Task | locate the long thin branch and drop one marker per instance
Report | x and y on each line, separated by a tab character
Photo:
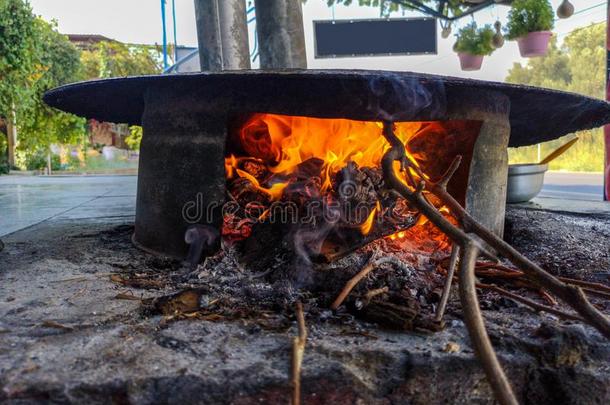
440	311
571	295
298	349
476	328
533	304
470	249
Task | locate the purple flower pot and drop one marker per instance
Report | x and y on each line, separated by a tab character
534	44
470	62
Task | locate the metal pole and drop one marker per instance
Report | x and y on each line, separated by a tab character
607	127
222	34
164	35
175	35
279	24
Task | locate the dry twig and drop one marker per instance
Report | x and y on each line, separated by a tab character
440	311
368	267
298	349
526	301
476	328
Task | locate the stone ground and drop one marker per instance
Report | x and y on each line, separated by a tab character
67	337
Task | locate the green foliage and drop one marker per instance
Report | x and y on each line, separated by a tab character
578	66
34	58
38	161
475	41
58	63
17	52
3	158
552	71
114	59
135	137
527	16
454	7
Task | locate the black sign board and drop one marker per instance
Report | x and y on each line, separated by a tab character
382	37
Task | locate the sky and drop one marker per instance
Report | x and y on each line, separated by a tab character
139	21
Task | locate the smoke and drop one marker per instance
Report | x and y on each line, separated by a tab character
202	239
399	97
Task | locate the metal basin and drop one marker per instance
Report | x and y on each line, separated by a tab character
524	181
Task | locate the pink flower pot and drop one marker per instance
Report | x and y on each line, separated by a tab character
470	62
534	44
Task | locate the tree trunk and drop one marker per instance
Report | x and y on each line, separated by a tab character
222	34
279	24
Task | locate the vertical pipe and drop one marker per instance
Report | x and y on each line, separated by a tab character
279	24
222	34
607	127
175	35
164	35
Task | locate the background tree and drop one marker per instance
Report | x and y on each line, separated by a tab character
115	59
17	58
57	63
577	66
453	7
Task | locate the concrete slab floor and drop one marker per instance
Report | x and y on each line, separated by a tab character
66	337
29	200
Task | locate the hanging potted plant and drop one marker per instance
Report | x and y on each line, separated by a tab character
530	23
473	44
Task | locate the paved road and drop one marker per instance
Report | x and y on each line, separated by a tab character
29	200
573	186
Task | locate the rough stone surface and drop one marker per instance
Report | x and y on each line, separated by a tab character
65	338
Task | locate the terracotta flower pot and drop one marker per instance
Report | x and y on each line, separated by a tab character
470	62
534	44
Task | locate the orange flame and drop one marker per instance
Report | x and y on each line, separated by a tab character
280	144
366	227
275	191
283	142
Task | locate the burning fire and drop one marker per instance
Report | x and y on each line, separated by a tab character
293	158
284	142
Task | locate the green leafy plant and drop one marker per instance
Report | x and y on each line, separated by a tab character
38	161
527	16
474	40
449	7
135	137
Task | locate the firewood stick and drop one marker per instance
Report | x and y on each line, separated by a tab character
547	297
526	301
298	349
590	285
440	311
476	328
572	295
368	267
373	293
471	246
